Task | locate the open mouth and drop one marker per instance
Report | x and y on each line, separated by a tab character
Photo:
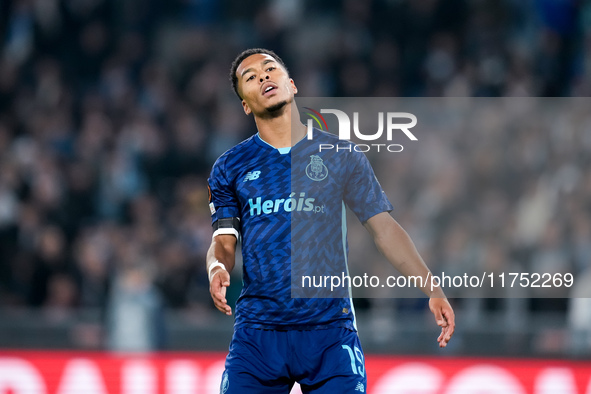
268	89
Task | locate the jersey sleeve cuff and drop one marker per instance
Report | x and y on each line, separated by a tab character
375	210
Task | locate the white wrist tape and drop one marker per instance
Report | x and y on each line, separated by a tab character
212	266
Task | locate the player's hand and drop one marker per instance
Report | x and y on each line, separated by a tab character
445	318
220	280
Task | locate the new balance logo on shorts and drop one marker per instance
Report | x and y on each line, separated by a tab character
251	176
360	387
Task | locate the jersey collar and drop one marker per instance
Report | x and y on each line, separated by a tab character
282	151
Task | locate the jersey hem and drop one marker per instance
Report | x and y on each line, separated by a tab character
297	327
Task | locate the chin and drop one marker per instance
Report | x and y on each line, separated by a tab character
276	107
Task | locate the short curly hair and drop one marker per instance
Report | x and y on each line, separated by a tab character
244	55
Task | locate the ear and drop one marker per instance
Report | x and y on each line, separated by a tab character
246	108
295	89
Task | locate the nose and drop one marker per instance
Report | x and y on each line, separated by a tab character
266	77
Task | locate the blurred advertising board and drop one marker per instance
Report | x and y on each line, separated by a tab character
41	372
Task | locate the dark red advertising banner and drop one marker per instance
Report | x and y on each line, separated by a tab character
23	372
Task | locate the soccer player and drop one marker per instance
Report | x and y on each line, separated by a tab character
285	200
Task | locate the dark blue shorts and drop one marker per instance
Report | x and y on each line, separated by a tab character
321	361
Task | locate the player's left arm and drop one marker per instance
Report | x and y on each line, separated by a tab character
397	246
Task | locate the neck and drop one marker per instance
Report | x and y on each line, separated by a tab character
284	129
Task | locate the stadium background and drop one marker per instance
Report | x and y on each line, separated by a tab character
112	112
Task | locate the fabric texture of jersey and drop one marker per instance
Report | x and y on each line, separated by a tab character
270	362
291	211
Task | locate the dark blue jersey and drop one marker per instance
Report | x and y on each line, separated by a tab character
291	206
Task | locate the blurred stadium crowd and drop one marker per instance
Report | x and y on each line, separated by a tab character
113	111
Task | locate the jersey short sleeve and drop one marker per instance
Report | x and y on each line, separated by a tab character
363	193
223	202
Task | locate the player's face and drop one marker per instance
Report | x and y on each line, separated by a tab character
264	85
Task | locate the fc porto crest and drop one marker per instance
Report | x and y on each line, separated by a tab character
316	170
225	383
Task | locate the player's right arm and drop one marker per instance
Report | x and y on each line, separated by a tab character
220	262
225	218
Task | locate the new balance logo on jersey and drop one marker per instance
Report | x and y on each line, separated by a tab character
251	176
360	387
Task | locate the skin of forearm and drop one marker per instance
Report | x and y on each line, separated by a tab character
222	249
398	248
